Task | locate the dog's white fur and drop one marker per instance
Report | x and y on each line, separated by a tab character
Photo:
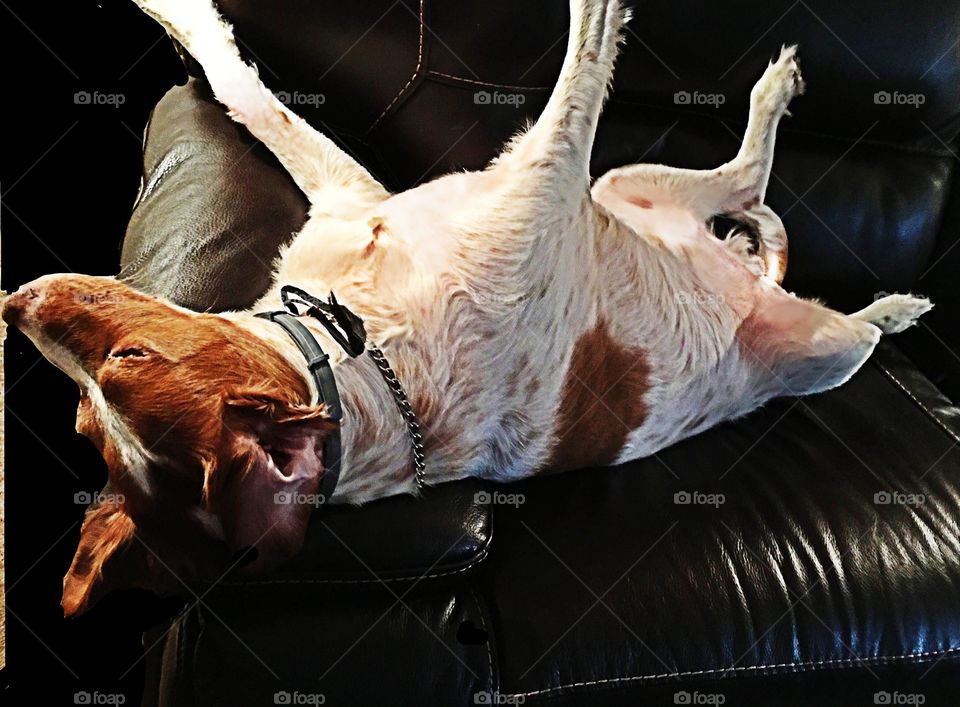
478	276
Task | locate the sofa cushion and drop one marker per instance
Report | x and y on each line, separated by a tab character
814	534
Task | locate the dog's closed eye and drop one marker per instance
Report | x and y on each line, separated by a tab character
128	352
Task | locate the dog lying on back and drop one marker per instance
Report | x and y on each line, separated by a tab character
537	324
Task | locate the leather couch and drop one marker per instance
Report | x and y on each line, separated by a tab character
808	554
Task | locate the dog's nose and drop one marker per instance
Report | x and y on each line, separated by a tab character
17	307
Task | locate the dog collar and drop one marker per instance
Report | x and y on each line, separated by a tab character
318	362
347	329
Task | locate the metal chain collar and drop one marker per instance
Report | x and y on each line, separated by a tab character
403	404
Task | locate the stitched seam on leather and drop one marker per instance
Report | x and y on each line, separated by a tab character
416	72
879	660
477	82
483	623
481	556
936	420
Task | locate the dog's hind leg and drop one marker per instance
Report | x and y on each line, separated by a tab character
557	147
797	347
333	181
735	189
542	198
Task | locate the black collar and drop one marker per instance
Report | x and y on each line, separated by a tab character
347	329
319	364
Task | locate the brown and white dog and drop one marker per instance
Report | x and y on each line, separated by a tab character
537	323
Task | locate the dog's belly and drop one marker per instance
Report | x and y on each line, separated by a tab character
419	221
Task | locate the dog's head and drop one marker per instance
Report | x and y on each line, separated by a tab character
207	432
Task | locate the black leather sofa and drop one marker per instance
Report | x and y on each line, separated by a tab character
808	554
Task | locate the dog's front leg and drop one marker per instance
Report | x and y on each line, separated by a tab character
333	181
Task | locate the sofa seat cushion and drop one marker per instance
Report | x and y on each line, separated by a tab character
814	534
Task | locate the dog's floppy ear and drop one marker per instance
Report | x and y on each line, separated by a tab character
108	558
265	480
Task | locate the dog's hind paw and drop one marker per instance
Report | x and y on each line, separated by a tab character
894	313
780	83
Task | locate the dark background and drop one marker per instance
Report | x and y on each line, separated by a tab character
69	176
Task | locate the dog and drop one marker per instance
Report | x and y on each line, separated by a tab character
537	322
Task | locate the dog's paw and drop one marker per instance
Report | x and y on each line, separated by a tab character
894	313
780	82
786	70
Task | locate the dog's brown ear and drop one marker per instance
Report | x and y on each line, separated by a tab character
107	555
265	481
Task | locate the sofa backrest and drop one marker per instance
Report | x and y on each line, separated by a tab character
863	169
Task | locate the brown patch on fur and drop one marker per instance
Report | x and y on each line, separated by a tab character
601	403
641	202
377	227
284	117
